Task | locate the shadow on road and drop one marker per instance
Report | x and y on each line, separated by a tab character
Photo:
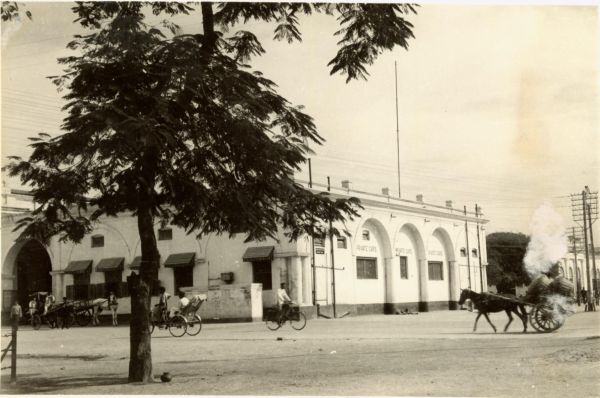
33	383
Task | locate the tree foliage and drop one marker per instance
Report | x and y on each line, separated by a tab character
505	253
10	11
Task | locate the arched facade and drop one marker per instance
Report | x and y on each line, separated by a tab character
398	255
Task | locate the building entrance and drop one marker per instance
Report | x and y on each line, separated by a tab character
33	268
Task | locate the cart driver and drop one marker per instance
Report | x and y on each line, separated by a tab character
283	301
161	307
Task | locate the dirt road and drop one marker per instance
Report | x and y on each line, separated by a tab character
430	354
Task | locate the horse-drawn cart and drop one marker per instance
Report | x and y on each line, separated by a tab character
549	300
83	310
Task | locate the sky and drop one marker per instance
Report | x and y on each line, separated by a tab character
497	104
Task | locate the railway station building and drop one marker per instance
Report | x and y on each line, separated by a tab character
400	254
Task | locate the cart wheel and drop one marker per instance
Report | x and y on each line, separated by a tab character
36	321
177	326
546	319
83	318
194	326
300	323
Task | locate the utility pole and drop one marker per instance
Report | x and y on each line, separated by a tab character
585	212
577	287
468	251
587	260
332	268
397	129
477	208
594	285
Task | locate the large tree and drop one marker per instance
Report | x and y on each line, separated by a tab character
179	129
505	253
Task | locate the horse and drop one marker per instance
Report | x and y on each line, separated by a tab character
486	303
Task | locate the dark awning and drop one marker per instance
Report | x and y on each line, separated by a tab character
180	260
135	264
110	264
262	253
78	267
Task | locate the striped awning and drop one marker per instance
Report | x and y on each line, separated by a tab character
180	260
78	267
110	264
259	253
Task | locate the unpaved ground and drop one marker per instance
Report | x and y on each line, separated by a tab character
430	354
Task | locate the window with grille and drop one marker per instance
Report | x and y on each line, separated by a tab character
183	277
81	286
436	270
463	252
112	282
261	273
403	267
98	241
341	242
474	252
165	234
366	268
366	235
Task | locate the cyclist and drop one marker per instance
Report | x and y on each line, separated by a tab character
283	301
160	309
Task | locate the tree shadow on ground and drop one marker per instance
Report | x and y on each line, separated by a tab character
33	383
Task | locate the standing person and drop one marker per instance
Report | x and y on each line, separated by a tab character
113	304
49	302
16	313
584	296
32	306
283	301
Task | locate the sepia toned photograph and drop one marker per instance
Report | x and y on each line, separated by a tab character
300	199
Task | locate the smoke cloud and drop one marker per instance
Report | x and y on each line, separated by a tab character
548	242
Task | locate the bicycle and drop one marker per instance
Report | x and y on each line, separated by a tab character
177	324
296	318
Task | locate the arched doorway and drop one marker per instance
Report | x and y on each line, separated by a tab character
32	268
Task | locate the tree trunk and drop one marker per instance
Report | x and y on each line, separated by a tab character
140	286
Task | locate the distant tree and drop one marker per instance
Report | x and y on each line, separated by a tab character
505	253
177	128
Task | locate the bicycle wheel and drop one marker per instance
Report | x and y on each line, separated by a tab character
194	326
177	326
300	323
36	321
83	318
273	325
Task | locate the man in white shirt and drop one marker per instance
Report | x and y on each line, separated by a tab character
183	301
283	301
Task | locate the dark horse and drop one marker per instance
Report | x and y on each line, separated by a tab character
486	303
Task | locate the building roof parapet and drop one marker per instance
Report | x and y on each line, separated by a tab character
397	203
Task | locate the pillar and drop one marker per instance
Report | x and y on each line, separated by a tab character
453	284
306	281
423	284
392	275
58	286
295	278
